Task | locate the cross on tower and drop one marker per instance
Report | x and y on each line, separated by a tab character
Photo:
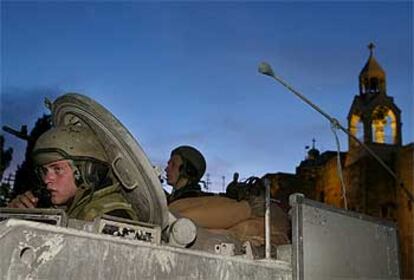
371	48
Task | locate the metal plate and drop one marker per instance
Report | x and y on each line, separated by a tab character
129	162
128	229
331	243
48	216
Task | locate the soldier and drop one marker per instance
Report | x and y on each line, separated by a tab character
185	168
220	218
73	166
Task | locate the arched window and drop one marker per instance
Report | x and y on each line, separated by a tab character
374	85
384	126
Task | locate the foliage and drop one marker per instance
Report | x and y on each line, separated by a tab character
5	194
25	177
5	157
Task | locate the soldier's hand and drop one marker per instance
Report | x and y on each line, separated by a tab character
25	200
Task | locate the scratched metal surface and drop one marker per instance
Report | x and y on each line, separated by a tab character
31	250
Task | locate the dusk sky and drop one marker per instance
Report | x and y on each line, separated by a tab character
186	72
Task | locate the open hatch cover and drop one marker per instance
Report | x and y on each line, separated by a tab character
129	162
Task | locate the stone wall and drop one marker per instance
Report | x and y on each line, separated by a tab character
405	212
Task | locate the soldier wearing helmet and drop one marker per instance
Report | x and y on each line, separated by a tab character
185	168
73	166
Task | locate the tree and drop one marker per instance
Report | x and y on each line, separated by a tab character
25	177
5	159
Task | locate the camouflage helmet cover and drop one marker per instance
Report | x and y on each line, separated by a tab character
192	156
67	142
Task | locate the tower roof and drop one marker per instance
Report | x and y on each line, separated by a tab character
372	76
372	68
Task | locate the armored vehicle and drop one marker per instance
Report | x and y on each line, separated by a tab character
326	243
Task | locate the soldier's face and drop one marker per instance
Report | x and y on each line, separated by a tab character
173	170
59	180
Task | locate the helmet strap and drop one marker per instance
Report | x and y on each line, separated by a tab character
181	178
76	174
187	171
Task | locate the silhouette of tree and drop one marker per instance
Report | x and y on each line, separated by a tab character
5	159
5	156
25	178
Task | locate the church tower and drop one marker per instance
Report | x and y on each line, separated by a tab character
373	117
376	121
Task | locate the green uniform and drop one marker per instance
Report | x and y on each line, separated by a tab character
190	190
108	200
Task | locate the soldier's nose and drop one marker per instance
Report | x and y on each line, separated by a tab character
48	177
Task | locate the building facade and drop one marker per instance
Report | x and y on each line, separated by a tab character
375	120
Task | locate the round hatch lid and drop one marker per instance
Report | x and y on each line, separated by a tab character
131	166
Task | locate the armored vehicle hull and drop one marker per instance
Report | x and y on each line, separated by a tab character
327	243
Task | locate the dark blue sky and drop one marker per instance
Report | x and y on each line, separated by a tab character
186	72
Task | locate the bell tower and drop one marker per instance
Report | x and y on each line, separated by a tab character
376	121
373	117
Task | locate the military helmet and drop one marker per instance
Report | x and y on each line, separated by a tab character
194	164
67	142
